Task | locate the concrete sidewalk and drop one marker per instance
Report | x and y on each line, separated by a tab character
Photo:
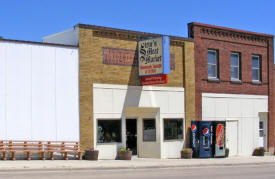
134	163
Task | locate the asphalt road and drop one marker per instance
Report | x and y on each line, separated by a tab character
264	171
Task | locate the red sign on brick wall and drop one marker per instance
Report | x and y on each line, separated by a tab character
154	80
124	57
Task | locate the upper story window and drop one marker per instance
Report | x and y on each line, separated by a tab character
256	68
212	63
235	67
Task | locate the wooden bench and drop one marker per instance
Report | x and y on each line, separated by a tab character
64	147
42	147
27	147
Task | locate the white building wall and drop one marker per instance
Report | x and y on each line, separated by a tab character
38	92
110	102
244	109
68	37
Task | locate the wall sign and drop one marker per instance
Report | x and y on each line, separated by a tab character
154	80
125	57
154	56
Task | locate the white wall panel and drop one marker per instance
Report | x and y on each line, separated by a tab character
221	108
176	102
234	107
67	94
43	93
241	108
247	110
18	91
110	101
118	104
2	91
147	99
38	95
103	101
162	102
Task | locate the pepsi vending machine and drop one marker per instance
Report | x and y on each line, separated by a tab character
219	138
195	138
205	137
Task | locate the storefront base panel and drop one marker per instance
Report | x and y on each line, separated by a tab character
242	114
145	105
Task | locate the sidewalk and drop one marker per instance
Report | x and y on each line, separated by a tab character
133	164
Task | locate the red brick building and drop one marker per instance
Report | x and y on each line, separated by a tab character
234	82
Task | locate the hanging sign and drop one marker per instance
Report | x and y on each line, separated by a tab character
154	56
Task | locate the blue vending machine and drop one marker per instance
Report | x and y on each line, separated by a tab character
194	139
205	137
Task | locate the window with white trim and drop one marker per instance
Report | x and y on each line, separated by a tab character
256	68
108	130
212	63
235	66
173	129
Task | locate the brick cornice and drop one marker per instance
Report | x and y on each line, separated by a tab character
233	35
99	31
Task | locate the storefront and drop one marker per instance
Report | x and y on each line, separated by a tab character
235	83
115	110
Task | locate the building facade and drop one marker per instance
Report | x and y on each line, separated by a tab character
83	84
115	110
234	83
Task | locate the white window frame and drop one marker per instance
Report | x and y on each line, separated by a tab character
109	119
235	79
216	65
183	129
259	69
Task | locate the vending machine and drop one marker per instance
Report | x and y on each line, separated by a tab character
205	139
218	147
194	139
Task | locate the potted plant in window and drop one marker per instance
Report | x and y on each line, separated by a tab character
186	153
259	151
91	154
124	154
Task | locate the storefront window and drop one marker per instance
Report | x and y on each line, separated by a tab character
108	131
173	129
149	130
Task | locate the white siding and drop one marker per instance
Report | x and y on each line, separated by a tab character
38	92
110	101
241	108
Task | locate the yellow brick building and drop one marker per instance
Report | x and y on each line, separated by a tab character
115	110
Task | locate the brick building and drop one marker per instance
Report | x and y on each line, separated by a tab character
234	82
115	111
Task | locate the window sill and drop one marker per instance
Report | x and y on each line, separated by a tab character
109	143
174	140
256	82
235	81
214	80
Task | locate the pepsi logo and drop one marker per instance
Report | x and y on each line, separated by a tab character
206	131
193	128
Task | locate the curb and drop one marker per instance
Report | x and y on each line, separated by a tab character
100	168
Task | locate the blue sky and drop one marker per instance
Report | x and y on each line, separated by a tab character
33	19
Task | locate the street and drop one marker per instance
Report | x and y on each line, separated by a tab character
264	171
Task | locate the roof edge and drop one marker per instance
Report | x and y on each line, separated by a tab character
38	43
230	29
131	31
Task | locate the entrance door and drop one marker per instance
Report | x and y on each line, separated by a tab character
262	134
131	133
232	137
